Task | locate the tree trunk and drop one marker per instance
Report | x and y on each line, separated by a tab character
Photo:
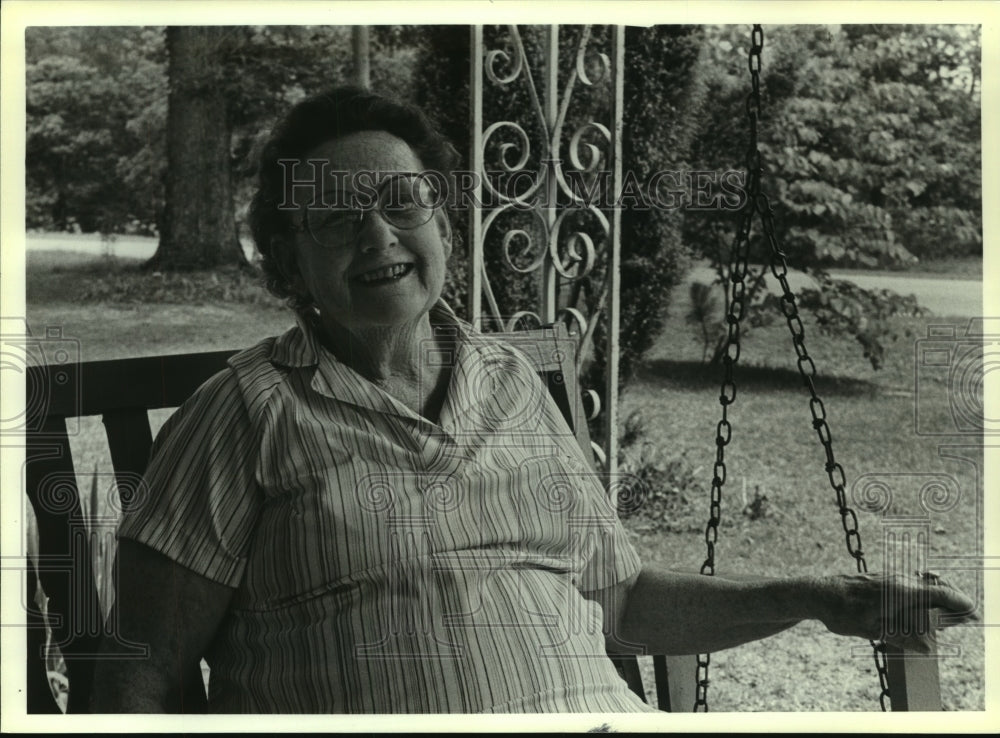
199	229
362	56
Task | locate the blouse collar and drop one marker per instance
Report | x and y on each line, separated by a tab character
300	347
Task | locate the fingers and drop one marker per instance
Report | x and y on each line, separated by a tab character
929	576
912	612
957	606
942	595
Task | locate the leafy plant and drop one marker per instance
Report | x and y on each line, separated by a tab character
661	489
759	507
840	306
93	139
870	140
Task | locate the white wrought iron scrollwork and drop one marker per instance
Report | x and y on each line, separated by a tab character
522	320
548	177
492	57
593	152
581	263
522	145
572	315
505	147
514	237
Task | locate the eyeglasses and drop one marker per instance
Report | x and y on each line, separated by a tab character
405	201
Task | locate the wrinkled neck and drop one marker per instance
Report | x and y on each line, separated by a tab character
382	353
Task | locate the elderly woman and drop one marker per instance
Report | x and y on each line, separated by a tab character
339	522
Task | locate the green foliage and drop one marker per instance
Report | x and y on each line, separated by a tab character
870	140
97	106
96	98
656	489
870	136
665	96
759	507
840	306
441	88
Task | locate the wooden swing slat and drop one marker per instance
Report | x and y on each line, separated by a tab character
675	682
63	560
914	681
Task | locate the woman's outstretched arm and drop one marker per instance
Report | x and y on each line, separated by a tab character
665	612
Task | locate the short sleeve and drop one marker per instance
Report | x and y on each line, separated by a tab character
613	559
201	502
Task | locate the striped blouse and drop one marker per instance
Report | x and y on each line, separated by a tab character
382	562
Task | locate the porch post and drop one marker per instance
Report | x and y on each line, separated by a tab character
475	265
614	252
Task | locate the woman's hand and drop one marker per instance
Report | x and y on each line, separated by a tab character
904	611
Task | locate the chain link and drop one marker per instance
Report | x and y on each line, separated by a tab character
736	307
758	203
807	370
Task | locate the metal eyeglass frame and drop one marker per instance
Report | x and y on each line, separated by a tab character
356	217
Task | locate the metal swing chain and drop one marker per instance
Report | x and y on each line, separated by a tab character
758	202
807	369
739	256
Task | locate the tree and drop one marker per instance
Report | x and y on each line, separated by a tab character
664	96
362	56
199	228
97	111
96	100
870	143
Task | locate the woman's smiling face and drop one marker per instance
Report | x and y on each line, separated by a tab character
387	276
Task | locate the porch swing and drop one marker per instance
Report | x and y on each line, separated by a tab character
906	683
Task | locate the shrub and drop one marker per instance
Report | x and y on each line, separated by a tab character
656	489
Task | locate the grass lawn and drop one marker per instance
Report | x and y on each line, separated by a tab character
774	453
952	268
